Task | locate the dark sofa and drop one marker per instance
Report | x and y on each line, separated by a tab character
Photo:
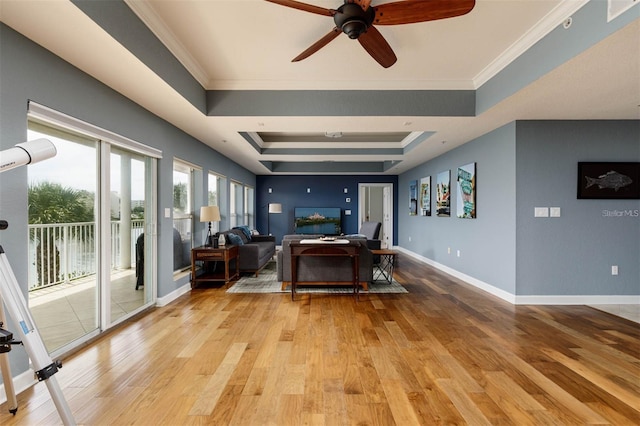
324	270
254	253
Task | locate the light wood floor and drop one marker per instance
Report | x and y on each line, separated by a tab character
445	353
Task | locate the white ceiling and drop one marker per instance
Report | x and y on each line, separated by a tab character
248	44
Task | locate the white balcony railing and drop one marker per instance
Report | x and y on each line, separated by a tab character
59	253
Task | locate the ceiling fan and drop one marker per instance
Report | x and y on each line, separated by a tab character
356	19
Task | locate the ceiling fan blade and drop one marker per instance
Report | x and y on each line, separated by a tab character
304	6
409	12
335	32
375	44
364	4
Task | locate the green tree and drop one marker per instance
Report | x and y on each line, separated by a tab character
180	197
137	213
52	203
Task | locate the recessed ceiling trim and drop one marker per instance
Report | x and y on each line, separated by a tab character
416	139
333	151
327	167
341	103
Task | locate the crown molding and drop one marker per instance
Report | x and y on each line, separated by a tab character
156	25
547	24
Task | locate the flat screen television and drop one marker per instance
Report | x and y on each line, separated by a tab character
318	220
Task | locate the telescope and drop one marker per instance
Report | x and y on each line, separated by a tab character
26	153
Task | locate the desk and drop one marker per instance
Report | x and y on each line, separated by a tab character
227	254
325	249
384	268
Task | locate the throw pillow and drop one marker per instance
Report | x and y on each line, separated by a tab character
355	236
234	239
245	230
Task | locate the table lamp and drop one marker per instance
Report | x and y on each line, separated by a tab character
209	214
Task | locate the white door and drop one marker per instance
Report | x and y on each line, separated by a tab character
376	204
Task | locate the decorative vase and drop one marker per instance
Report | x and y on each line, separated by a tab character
221	240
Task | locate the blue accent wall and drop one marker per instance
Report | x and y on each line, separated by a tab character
326	191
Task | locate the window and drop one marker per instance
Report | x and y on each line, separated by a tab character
236	207
215	185
250	208
183	207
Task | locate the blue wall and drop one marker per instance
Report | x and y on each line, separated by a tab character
523	165
29	72
573	254
487	243
326	191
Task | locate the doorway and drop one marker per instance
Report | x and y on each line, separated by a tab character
376	205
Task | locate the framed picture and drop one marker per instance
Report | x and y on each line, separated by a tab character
466	193
443	191
425	196
413	198
612	181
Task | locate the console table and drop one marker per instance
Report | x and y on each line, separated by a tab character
338	248
228	255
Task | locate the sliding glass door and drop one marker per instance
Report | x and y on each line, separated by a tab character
63	239
129	200
91	235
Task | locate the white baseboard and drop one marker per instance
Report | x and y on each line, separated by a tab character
165	300
529	299
504	295
21	383
578	300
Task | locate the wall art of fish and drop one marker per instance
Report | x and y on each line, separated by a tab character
609	180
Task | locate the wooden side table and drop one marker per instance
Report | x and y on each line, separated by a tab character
384	268
226	254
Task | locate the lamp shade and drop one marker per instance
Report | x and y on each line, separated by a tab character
275	208
209	214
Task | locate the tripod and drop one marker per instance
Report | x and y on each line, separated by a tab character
44	367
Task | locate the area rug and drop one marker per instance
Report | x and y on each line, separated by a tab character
266	282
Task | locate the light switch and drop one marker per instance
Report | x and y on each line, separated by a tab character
347	212
541	212
554	211
167	212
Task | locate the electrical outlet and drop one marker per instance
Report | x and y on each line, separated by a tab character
614	269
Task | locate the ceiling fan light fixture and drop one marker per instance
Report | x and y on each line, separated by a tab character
352	20
354	28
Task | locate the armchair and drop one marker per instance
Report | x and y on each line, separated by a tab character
371	230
